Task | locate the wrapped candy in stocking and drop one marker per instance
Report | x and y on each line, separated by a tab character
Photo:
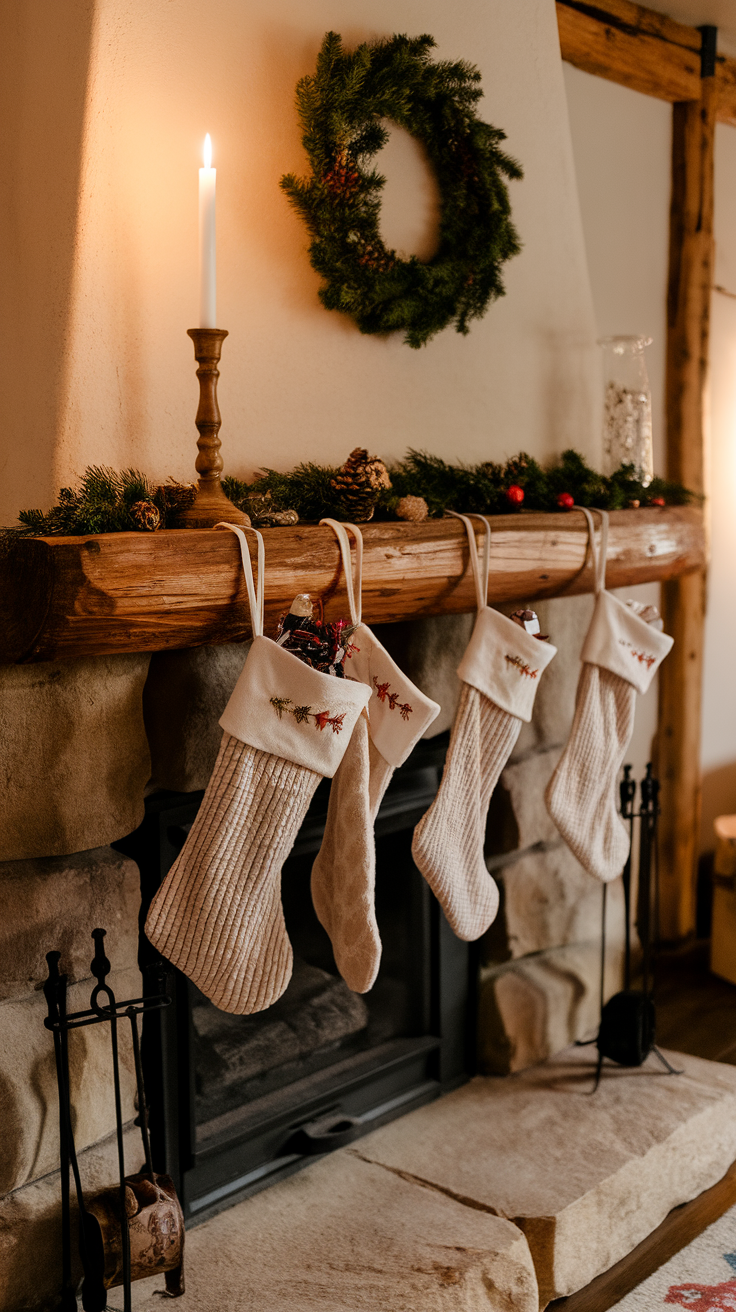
500	672
621	654
218	916
343	875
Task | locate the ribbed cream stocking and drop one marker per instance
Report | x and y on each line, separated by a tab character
581	795
344	873
218	917
448	841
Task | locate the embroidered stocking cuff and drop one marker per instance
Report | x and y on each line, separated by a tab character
282	706
398	713
619	641
505	663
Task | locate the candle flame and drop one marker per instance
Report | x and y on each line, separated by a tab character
207	152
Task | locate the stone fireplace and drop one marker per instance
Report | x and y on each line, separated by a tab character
92	747
239	1102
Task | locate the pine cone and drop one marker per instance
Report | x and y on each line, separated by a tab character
145	516
358	484
173	499
343	178
413	509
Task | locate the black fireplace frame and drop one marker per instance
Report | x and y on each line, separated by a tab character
354	1096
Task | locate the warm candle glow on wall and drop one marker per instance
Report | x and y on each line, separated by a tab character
207	253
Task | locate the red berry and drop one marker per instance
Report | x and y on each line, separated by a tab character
515	494
657	501
565	501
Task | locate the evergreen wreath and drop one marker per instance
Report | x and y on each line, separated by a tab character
342	109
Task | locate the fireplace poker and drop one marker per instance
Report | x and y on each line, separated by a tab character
627	794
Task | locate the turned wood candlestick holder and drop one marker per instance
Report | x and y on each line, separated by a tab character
210	504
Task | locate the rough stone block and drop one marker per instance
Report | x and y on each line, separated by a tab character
30	1227
55	903
534	1007
550	901
429	652
29	1143
184	697
586	1178
524	782
345	1235
74	759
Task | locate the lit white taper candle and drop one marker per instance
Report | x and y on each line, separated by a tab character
207	248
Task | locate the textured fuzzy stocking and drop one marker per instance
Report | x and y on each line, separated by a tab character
218	915
344	874
621	654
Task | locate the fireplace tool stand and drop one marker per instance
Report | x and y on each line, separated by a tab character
627	1030
137	1228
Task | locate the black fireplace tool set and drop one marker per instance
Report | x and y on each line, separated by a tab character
136	1228
627	1030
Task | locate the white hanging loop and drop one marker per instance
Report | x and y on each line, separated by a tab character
481	572
255	592
354	590
599	556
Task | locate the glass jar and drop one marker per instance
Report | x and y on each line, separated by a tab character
627	406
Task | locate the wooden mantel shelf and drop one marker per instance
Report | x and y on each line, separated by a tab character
62	598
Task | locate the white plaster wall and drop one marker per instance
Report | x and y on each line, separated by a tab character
297	382
621	143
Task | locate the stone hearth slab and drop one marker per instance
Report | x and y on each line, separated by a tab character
585	1177
347	1236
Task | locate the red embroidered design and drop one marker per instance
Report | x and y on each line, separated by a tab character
704	1298
285	706
383	694
643	657
522	666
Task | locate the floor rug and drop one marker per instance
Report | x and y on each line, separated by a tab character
701	1277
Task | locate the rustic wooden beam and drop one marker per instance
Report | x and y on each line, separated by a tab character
643	50
633	46
726	90
688	321
62	598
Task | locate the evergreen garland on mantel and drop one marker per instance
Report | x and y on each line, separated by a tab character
110	502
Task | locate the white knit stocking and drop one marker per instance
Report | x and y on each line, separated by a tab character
621	654
449	840
218	917
581	795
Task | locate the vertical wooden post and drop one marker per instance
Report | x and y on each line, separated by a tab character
688	322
